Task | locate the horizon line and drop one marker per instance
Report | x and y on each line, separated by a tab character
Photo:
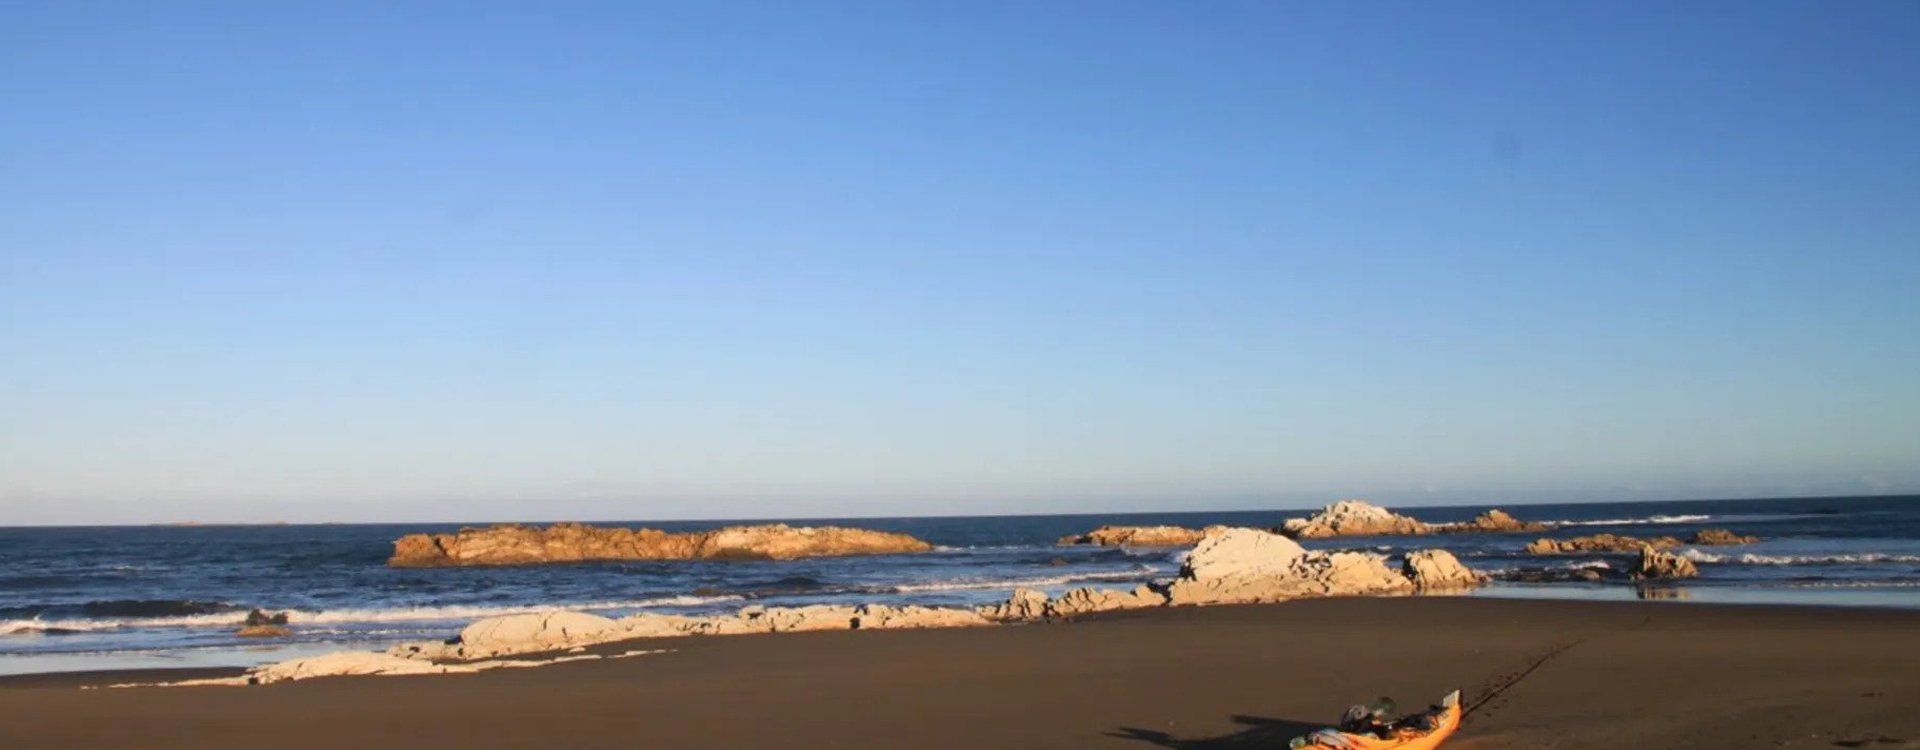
188	523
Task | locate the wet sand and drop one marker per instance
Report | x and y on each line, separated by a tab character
1596	675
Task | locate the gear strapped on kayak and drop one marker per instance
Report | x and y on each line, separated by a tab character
1375	727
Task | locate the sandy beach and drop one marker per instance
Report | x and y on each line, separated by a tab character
1575	675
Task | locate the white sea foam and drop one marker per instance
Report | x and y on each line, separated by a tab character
1014	583
1861	558
455	613
38	627
1634	521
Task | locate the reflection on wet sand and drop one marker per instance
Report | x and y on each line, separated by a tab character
1661	592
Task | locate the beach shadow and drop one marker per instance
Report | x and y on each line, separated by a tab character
1257	731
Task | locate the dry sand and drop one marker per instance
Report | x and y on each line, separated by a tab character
1597	675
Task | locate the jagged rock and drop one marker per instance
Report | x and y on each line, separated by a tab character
514	544
261	617
426	650
1494	521
1438	570
1139	536
750	620
1657	564
1024	604
650	625
1597	543
1622	543
1082	601
812	617
882	617
1249	565
533	632
1353	518
263	631
1720	537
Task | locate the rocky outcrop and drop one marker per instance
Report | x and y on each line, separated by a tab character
342	664
1353	518
1719	537
882	617
541	632
1438	570
1597	543
1657	564
261	617
514	544
368	663
1023	605
1083	601
1622	543
263	631
528	633
1140	536
1228	566
800	619
1248	565
1494	521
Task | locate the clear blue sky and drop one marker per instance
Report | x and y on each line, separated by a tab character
363	261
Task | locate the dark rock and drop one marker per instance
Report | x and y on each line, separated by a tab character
258	618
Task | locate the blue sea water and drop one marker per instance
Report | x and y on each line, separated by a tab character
100	597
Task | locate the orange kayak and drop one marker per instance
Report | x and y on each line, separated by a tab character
1445	720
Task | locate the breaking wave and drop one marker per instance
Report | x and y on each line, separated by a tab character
454	613
1635	521
1014	583
1862	558
1896	584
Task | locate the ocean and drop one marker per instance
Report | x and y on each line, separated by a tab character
75	598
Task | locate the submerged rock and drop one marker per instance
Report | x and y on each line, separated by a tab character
1139	536
1353	518
263	631
1555	575
514	544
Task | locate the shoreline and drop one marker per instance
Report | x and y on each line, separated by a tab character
1614	674
1676	594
